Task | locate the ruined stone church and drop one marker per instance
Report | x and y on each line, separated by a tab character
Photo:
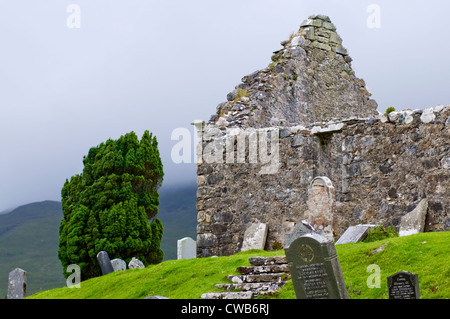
380	166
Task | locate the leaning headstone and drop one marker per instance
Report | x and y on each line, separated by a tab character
299	230
322	206
17	284
315	269
354	234
186	248
403	285
135	263
414	222
105	262
255	237
118	264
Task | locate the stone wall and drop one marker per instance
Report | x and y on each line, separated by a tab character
380	168
326	125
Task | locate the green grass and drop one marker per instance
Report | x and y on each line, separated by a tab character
427	254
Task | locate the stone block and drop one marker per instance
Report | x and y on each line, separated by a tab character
105	263
118	264
255	237
186	248
354	234
414	222
17	284
135	263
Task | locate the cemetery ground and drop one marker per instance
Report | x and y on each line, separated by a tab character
426	254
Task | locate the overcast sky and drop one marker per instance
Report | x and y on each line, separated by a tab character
136	65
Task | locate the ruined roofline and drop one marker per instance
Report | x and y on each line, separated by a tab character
309	80
403	117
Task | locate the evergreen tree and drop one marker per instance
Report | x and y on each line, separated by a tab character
108	206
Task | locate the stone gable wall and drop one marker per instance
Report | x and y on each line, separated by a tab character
380	168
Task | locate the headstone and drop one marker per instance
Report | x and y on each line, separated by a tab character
322	206
17	284
135	263
414	222
255	237
354	234
315	269
403	285
186	248
299	230
118	264
105	262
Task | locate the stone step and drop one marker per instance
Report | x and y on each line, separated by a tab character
265	261
269	277
254	287
228	295
262	269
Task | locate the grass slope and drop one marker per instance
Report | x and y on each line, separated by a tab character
426	254
29	236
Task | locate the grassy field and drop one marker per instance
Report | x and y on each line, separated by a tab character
426	254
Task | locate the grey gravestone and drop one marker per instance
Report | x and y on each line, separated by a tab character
315	269
186	248
17	284
414	222
354	234
299	230
403	285
322	206
105	262
255	237
135	263
118	264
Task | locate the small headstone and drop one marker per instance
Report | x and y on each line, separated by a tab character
414	222
315	269
299	230
403	285
186	248
322	206
135	263
17	284
255	237
105	262
354	234
156	297
118	264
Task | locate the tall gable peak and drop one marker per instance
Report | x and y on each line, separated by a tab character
309	80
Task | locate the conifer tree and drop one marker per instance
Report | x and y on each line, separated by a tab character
108	206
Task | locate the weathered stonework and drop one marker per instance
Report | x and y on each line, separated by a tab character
380	166
310	80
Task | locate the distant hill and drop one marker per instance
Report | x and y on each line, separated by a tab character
29	236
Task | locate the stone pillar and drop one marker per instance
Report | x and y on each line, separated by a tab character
321	212
186	248
17	284
105	262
